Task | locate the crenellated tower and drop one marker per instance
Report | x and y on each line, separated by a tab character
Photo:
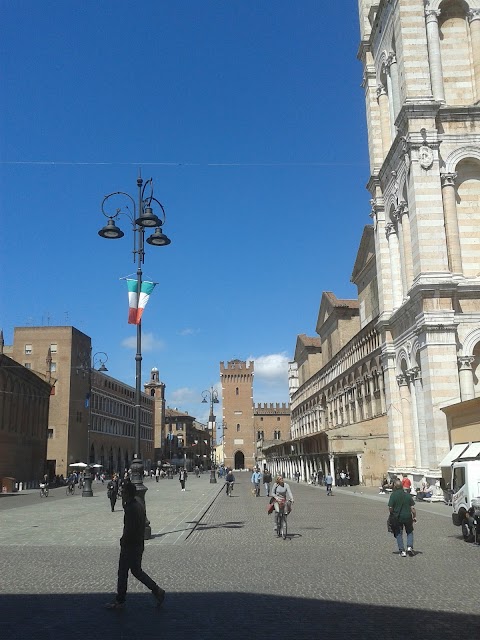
237	398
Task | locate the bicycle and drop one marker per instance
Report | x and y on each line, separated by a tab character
70	490
44	491
282	520
229	488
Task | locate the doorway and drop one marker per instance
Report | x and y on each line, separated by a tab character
239	460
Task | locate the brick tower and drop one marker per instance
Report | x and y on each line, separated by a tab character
237	399
155	388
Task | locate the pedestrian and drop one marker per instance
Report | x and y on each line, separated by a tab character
406	483
402	516
112	491
297	476
131	550
343	477
329	483
182	476
256	479
157	474
267	481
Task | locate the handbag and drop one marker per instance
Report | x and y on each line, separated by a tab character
270	508
393	524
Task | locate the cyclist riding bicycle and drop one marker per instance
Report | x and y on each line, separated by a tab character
282	498
229	480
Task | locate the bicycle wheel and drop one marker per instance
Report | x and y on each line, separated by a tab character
41	493
284	527
280	519
45	492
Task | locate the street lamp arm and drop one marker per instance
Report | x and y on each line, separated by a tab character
119	210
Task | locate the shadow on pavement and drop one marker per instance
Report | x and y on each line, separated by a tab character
235	615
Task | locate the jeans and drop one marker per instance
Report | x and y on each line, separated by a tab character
131	559
267	487
399	534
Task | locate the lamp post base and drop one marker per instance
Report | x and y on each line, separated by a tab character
213	477
137	479
87	483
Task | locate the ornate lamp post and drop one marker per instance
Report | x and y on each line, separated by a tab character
212	396
146	219
89	366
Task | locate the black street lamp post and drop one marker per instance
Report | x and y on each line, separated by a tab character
89	367
147	219
212	396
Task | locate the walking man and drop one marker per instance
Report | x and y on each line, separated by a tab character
328	483
131	549
256	479
402	515
267	481
182	476
112	491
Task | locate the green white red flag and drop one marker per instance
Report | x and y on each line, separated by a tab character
137	304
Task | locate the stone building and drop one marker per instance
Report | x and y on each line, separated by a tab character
338	420
91	414
24	403
186	442
247	427
421	62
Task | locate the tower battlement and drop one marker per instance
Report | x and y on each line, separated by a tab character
271	408
237	366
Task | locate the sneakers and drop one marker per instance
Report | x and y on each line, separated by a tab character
403	554
410	552
159	595
115	605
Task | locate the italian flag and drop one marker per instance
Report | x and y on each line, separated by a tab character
136	306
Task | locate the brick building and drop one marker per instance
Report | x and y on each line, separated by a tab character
91	414
247	425
24	403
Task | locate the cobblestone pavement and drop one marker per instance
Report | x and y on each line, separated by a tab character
336	576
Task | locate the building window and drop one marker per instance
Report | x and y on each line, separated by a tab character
278	419
238	427
236	391
276	435
261	419
53	367
28	365
50	434
53	348
28	349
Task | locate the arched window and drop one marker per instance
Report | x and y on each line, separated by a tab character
236	391
238	427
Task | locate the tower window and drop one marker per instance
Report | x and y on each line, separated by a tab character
238	427
236	391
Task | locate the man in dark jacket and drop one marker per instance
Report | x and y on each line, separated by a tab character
112	491
402	510
131	549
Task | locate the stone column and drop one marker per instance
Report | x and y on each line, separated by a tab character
360	468
394	251
414	415
467	388
331	462
405	404
451	222
402	212
474	19
433	40
395	93
421	422
371	395
385	128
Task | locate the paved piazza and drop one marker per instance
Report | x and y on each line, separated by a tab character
337	576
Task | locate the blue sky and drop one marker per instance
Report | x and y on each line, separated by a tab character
249	117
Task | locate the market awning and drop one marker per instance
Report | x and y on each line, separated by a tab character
453	454
473	451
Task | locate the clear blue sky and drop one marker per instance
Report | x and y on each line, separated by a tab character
248	115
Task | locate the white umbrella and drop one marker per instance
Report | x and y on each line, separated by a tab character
81	465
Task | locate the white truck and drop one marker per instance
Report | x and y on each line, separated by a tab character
465	484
